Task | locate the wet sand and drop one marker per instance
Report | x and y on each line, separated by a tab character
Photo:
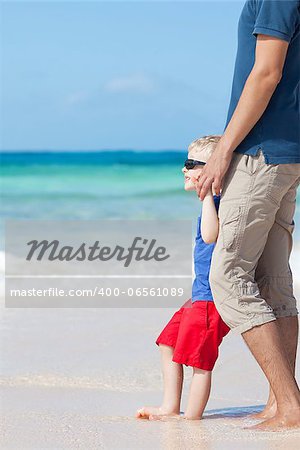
70	418
73	379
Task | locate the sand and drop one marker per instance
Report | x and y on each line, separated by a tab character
73	378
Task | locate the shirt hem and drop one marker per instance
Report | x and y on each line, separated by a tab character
271	32
268	158
202	299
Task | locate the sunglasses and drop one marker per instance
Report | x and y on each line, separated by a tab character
191	163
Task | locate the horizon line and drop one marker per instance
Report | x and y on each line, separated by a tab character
90	150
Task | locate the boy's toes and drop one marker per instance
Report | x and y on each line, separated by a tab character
140	414
144	413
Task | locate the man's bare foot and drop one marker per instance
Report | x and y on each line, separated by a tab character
147	411
290	419
268	412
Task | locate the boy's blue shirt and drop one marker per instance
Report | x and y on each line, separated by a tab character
277	132
202	261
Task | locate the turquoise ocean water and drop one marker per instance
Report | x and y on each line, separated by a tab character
96	185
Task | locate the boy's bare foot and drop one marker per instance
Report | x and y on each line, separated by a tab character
164	417
290	419
191	417
147	411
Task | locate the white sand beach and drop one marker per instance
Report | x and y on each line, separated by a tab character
73	379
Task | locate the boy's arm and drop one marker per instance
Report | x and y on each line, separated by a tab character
209	219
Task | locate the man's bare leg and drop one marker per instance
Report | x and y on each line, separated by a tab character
265	343
289	329
173	380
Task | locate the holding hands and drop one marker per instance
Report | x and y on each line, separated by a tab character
213	173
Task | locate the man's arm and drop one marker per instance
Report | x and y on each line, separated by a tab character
260	85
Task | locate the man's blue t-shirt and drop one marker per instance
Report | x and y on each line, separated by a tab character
277	132
202	261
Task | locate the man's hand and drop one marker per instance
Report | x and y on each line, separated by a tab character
213	172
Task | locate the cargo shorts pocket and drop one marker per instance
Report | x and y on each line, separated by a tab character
279	183
253	162
230	227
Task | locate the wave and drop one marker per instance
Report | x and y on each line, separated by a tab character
117	382
2	263
62	196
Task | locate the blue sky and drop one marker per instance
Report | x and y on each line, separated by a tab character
115	75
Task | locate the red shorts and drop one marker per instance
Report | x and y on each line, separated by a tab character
195	332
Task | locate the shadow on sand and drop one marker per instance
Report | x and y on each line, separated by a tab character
234	412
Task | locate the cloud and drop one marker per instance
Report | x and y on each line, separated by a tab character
129	92
135	83
77	97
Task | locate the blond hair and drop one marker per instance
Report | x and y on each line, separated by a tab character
203	147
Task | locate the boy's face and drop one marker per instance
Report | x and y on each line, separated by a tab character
189	173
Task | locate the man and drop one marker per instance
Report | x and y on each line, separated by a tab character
259	152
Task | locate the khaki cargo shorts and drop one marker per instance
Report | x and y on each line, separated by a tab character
250	275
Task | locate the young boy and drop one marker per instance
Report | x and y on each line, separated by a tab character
194	333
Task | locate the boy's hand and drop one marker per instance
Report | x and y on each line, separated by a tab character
209	191
213	172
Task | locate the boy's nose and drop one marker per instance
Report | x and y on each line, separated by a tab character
184	170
